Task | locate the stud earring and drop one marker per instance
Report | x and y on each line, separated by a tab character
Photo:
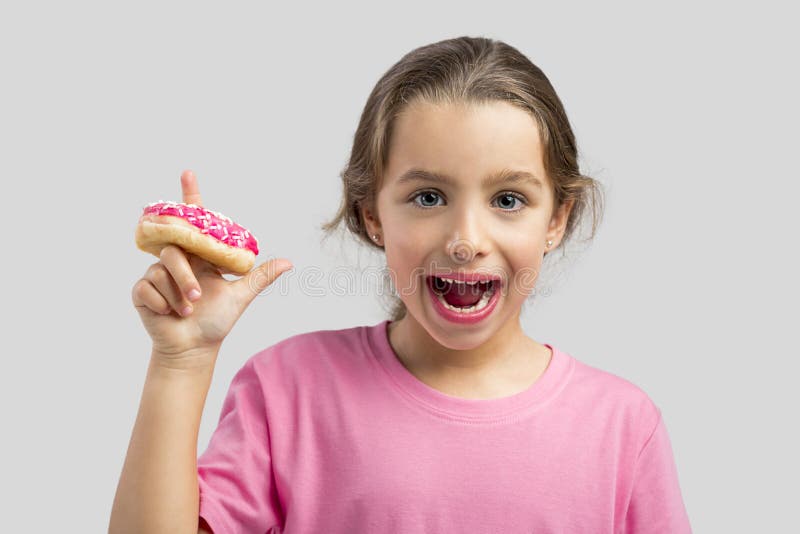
375	237
549	243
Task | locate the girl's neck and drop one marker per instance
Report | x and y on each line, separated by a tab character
507	364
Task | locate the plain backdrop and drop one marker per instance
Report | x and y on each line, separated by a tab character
686	113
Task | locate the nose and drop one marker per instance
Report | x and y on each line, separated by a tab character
468	237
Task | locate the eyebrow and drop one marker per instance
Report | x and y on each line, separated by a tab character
504	176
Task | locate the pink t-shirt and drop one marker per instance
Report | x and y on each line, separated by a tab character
327	431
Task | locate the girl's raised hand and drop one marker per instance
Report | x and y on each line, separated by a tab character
186	305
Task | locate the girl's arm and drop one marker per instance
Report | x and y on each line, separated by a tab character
158	489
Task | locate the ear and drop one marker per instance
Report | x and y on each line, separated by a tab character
558	222
370	218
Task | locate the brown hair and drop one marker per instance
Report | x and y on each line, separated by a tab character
463	70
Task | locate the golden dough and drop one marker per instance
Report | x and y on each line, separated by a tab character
154	232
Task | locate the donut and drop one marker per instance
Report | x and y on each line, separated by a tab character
205	233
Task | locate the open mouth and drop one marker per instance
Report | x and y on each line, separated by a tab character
463	297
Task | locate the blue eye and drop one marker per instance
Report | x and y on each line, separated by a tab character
428	195
513	197
422	194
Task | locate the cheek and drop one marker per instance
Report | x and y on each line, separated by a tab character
525	276
405	240
404	229
408	257
525	260
403	263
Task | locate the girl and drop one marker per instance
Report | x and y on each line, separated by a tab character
444	418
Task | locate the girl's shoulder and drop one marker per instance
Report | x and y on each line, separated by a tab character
607	391
310	352
595	377
315	341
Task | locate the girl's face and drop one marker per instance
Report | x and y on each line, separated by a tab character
468	223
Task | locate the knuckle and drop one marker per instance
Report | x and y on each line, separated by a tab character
139	287
137	292
152	269
166	251
160	275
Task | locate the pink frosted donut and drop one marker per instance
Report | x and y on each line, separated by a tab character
208	234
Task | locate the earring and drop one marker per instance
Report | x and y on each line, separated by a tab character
549	243
375	237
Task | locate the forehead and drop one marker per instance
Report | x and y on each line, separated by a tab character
465	140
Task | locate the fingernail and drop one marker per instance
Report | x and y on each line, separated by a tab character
186	311
194	295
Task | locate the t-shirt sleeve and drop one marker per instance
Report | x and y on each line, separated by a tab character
237	489
656	504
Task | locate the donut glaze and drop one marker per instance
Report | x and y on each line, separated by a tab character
208	222
199	231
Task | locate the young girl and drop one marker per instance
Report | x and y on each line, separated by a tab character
444	418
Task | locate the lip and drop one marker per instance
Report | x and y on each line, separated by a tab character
462	318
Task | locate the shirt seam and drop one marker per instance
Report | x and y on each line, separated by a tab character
515	415
650	436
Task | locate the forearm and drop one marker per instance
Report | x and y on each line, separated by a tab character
158	489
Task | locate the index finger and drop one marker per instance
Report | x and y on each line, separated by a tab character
191	192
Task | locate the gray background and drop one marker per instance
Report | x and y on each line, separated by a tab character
687	114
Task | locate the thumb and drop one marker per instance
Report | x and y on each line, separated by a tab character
258	279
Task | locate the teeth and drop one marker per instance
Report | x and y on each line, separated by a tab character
481	304
458	281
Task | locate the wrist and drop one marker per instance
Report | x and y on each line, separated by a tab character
197	360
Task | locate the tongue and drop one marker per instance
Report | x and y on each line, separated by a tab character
463	295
